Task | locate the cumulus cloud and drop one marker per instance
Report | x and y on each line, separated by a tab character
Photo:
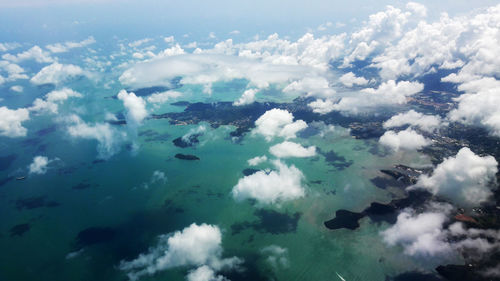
478	106
14	71
17	89
419	234
248	97
206	69
39	165
35	53
52	100
11	122
311	86
282	184
276	256
66	46
140	42
204	273
278	123
403	140
136	107
465	179
160	98
108	138
428	123
349	80
388	93
257	160
196	245
428	233
56	73
291	149
4	47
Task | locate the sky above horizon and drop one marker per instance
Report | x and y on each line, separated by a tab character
77	19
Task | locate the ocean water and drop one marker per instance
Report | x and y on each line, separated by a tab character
127	210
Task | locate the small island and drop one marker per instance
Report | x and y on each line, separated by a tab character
186	157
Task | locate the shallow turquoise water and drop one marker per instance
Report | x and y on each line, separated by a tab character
121	196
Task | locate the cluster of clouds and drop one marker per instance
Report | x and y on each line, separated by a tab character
66	46
466	179
196	246
403	140
429	233
271	186
278	123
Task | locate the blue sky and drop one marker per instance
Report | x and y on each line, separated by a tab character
42	20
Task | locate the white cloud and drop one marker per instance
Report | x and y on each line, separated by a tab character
427	233
66	46
204	273
17	89
196	245
169	39
160	98
35	53
283	184
4	47
158	176
277	256
248	97
257	160
349	80
465	179
56	73
108	138
388	93
322	106
428	123
479	105
11	122
140	42
234	32
311	86
136	107
52	100
419	234
14	71
39	165
291	149
403	140
278	123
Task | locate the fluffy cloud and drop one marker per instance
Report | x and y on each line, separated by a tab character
140	42
13	70
17	89
388	93
56	73
419	234
204	273
427	123
108	138
4	47
136	107
349	80
257	160
52	100
428	233
35	53
277	256
478	106
291	149
11	122
404	140
278	123
464	179
39	165
206	69
196	245
311	86
160	98
66	46
282	184
248	97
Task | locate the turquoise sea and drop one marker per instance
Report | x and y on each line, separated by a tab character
130	208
